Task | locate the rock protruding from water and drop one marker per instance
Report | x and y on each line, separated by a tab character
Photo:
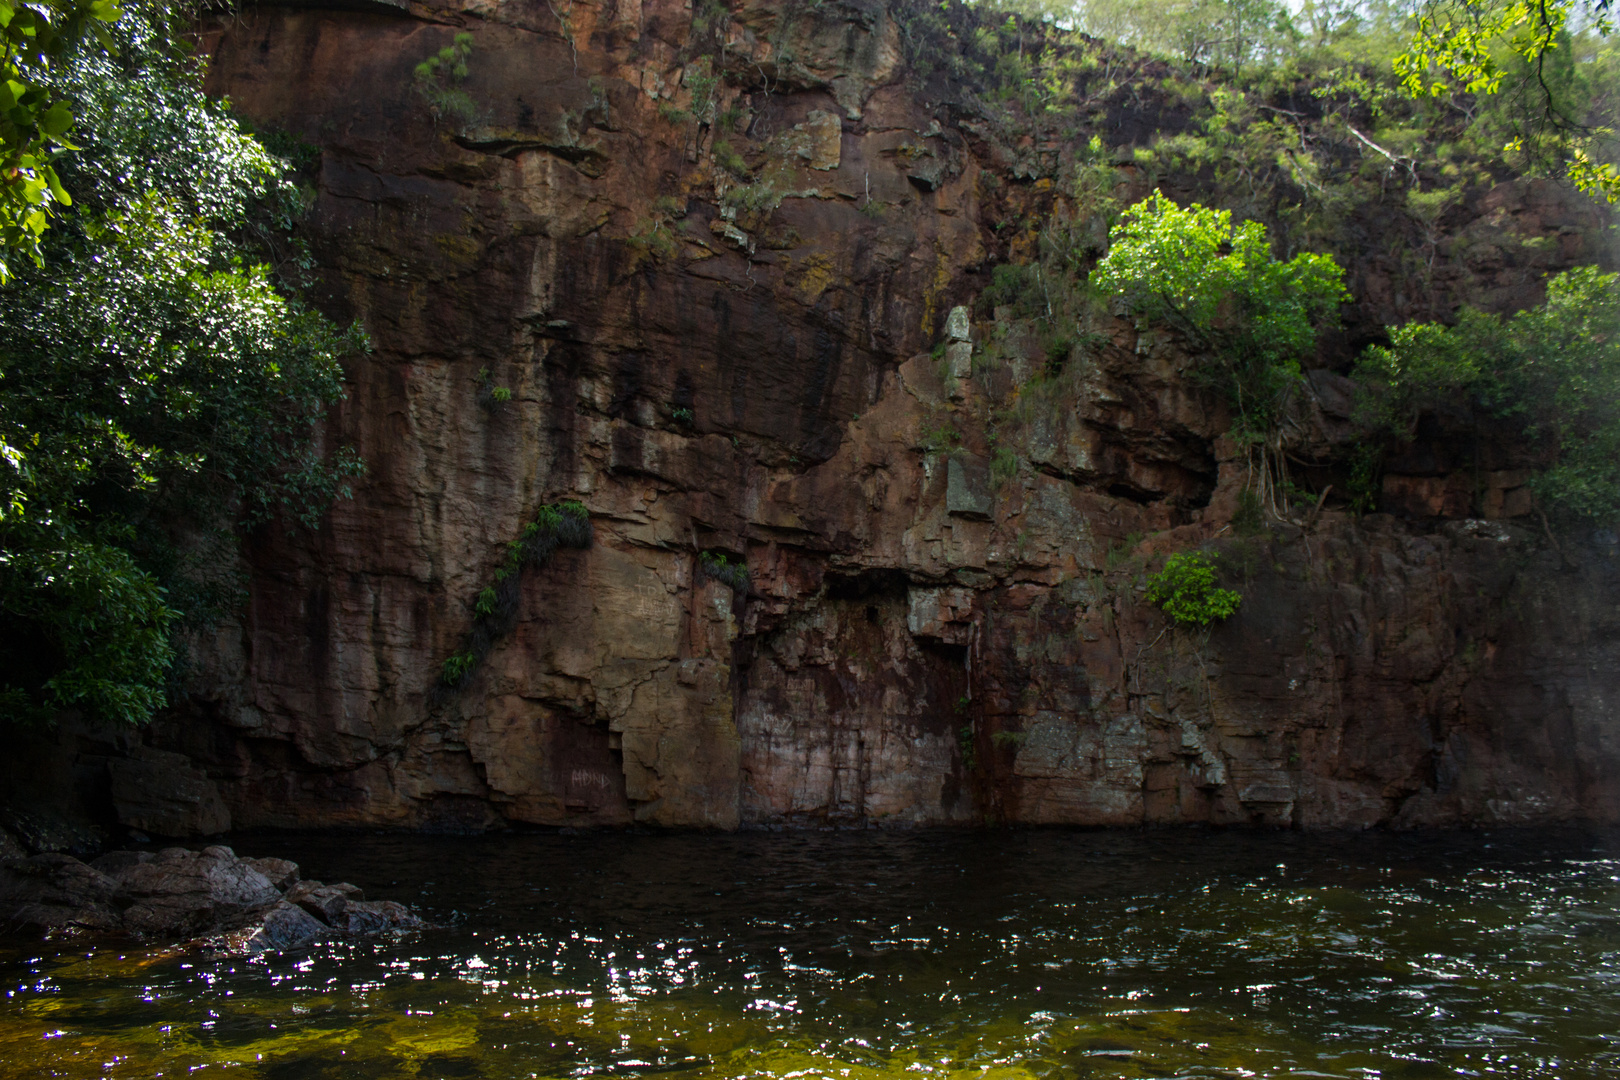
244	905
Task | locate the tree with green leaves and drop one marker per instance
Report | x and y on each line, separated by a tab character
1231	35
1554	369
1251	316
35	115
1521	49
161	387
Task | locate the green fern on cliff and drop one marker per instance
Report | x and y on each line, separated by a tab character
438	80
714	565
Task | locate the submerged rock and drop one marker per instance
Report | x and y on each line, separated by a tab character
244	905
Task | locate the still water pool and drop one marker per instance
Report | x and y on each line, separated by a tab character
988	954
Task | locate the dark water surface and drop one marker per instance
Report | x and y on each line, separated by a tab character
857	955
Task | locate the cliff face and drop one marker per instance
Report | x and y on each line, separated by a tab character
934	630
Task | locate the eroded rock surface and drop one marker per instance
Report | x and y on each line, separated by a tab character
794	378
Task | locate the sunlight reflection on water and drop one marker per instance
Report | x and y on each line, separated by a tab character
850	955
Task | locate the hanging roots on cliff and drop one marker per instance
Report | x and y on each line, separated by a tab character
1268	476
565	524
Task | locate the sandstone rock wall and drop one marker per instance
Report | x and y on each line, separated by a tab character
932	631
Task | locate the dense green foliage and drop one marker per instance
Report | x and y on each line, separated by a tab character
1186	591
1554	369
1219	285
1530	82
159	390
36	114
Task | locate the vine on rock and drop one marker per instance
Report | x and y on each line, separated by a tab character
565	524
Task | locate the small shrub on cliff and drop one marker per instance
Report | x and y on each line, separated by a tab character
726	156
490	396
458	668
940	437
967	747
1185	590
1004	466
438	80
654	237
567	524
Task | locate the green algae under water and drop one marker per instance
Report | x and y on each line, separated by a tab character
864	955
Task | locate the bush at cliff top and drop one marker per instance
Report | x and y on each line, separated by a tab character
1555	369
1185	590
160	389
1218	285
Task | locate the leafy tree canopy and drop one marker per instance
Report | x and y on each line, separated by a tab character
1219	285
35	113
1535	79
1486	47
160	389
1555	369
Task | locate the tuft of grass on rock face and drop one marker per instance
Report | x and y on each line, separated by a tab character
715	565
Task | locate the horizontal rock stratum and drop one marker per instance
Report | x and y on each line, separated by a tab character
776	372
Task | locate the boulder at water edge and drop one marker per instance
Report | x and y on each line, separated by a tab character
248	905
